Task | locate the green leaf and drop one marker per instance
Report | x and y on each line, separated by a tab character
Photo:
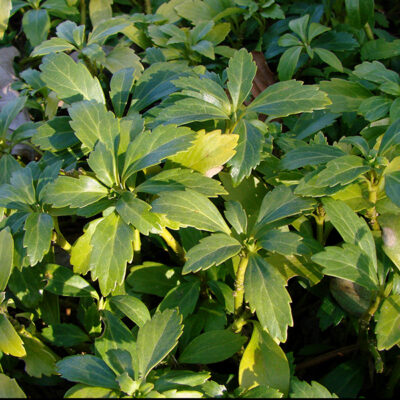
285	243
348	262
302	389
359	12
77	193
156	339
390	235
9	112
212	250
184	297
132	307
248	151
208	153
190	208
106	28
6	257
54	45
120	87
264	363
64	335
281	203
211	347
329	57
266	293
261	392
103	163
38	230
87	369
390	138
71	81
153	278
121	56
63	282
380	49
392	187
236	216
92	122
81	391
241	72
299	26
8	165
99	10
346	96
352	228
111	251
174	179
376	72
375	107
149	148
312	154
5	8
10	342
387	328
9	387
22	181
289	97
309	123
223	293
36	26
288	62
137	212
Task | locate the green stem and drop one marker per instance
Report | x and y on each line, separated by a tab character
173	244
148	6
83	12
320	220
238	295
372	197
368	31
137	247
59	237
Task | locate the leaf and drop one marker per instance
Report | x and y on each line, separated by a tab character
38	230
329	57
81	391
10	342
87	369
36	26
9	387
152	278
241	72
236	216
387	327
212	347
348	262
103	163
209	151
285	243
212	250
289	97
392	187
353	229
264	363
5	8
22	182
261	392
174	179
64	335
359	12
288	62
137	212
132	307
299	26
390	236
302	389
390	138
77	193
266	293
149	148
190	208
63	282
380	49
248	151
54	45
6	257
184	297
120	87
111	251
121	56
346	96
106	28
69	79
99	10
9	112
280	203
312	154
156	339
8	165
375	108
309	123
92	122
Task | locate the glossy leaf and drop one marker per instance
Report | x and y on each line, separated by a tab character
64	335
120	88
391	137
9	388
10	342
132	307
288	62
6	257
302	389
392	187
36	25
387	327
54	45
236	216
285	243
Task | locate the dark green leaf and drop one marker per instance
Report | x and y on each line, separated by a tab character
390	138
392	187
288	62
380	49
120	88
302	389
387	328
6	256
132	307
64	335
285	243
36	25
236	216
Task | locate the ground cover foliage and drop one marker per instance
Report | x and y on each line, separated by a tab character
199	198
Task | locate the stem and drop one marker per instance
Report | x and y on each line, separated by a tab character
239	284
148	6
320	220
173	244
83	12
368	31
372	197
59	237
137	247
